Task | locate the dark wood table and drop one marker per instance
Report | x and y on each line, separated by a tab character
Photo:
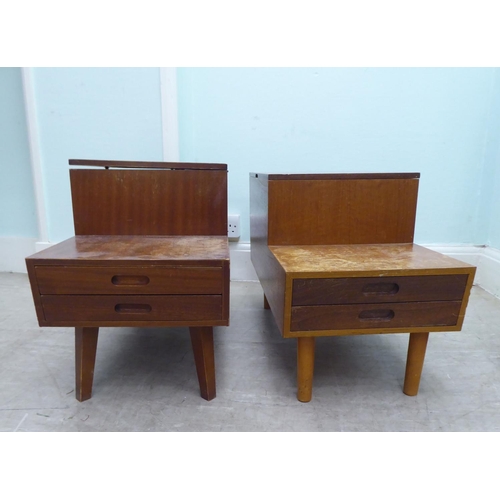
150	250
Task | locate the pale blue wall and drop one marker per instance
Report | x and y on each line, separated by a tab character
432	121
93	113
444	123
494	227
494	233
17	205
490	192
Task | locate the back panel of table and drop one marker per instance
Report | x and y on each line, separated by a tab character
149	202
341	211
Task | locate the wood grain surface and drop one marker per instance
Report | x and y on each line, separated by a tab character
341	211
149	202
149	164
378	290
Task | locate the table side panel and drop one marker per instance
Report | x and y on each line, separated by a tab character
271	275
226	292
34	291
465	301
272	278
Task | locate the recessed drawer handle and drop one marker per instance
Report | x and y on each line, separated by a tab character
133	308
129	280
381	289
376	315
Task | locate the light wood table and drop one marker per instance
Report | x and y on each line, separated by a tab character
354	288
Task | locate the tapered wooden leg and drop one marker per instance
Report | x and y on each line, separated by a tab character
202	340
266	303
415	362
85	351
305	368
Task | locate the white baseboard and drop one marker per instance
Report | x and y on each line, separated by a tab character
241	266
471	254
488	272
13	251
42	245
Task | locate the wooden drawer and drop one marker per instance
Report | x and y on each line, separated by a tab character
361	316
76	308
165	280
324	291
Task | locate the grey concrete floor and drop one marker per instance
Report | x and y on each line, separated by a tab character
145	379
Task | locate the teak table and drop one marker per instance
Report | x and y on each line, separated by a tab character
150	249
335	256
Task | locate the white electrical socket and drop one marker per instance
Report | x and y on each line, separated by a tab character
233	227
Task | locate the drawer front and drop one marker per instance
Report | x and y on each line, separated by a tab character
362	316
165	280
131	307
324	291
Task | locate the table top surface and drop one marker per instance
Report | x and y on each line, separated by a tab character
366	260
208	250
